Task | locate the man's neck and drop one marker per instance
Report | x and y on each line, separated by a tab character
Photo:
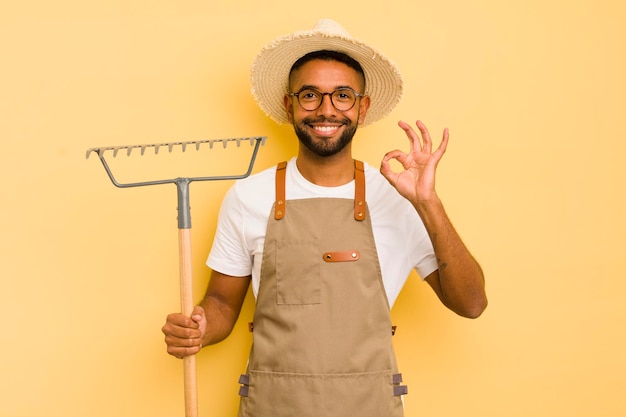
326	171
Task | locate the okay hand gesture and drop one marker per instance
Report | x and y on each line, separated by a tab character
417	181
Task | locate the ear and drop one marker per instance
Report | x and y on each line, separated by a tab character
364	105
288	102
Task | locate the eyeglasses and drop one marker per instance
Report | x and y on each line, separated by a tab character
342	99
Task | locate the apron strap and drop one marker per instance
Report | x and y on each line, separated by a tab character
279	210
359	191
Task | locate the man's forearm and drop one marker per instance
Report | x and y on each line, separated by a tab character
220	321
461	280
222	304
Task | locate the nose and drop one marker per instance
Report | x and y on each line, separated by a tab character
327	107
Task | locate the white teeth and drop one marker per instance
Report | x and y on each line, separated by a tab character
326	128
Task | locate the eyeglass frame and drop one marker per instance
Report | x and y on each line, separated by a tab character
330	95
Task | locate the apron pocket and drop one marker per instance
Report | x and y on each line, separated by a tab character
277	394
298	278
369	394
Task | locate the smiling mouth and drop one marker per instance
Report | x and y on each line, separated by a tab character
325	129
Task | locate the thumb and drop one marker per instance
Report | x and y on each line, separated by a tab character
198	314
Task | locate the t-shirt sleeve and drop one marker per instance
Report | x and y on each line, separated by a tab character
229	254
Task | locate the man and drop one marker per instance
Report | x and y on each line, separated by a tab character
326	260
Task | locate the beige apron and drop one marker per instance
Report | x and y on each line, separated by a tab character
322	331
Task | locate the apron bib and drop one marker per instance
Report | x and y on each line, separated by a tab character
322	331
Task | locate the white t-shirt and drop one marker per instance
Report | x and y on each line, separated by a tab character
400	236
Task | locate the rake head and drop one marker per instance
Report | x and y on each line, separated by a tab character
255	141
182	183
170	145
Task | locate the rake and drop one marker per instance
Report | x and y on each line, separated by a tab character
184	229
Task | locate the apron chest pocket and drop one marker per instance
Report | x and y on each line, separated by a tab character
298	278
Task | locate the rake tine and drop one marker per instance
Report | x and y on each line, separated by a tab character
170	145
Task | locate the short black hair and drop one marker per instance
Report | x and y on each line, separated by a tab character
327	55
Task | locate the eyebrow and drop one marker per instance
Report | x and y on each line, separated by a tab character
314	87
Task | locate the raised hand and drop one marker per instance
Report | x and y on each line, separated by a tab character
417	180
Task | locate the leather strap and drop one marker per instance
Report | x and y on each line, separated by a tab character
359	191
279	207
400	390
244	389
343	256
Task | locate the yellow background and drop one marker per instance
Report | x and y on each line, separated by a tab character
534	94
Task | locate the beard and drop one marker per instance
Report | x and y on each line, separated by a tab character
325	147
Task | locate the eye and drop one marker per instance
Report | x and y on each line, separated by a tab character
344	95
309	95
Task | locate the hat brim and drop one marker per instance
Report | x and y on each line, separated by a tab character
270	72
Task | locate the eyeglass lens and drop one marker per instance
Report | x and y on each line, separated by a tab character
343	98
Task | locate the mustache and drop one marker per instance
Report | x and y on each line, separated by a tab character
323	119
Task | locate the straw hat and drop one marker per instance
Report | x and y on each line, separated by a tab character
270	69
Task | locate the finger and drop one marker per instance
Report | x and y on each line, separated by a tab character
181	352
385	166
414	139
398	155
444	140
179	332
428	143
180	326
443	145
179	319
183	337
184	341
395	154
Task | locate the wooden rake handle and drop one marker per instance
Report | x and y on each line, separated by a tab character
186	291
187	305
